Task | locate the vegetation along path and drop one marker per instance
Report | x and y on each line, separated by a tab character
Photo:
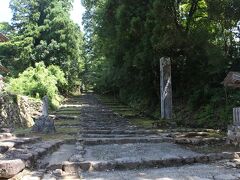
97	143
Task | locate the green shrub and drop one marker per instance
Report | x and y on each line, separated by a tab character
38	82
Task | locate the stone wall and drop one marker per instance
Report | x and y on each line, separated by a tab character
18	111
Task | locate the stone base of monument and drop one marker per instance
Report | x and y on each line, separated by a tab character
44	124
233	135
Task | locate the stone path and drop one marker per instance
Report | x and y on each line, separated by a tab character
105	145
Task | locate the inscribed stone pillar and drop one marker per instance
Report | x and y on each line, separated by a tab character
45	106
165	88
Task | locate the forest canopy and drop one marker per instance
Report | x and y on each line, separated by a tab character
42	31
125	40
44	51
119	51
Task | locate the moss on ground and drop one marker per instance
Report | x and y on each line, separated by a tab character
216	134
142	122
126	111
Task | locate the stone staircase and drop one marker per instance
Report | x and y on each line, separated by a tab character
108	142
105	145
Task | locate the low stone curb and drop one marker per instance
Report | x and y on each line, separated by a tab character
106	131
7	144
67	124
129	164
111	135
6	136
59	117
98	141
197	141
32	154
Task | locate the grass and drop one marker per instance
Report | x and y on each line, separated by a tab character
61	133
216	134
67	122
142	122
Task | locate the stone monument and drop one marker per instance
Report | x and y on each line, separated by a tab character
166	88
44	124
232	80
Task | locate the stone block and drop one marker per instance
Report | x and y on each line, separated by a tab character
187	160
58	172
3	149
229	155
85	166
201	159
212	157
103	166
54	166
9	168
70	167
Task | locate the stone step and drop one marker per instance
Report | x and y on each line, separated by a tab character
54	161
115	135
197	171
69	108
111	131
132	163
27	174
61	175
30	153
67	124
123	140
199	141
9	143
6	136
66	113
64	117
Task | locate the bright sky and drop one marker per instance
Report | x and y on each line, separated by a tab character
76	13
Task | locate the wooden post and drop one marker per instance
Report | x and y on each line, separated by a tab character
165	88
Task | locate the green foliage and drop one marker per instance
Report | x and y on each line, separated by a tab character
125	40
38	82
5	27
43	31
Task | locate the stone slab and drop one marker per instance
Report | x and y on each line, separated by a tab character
54	160
137	151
